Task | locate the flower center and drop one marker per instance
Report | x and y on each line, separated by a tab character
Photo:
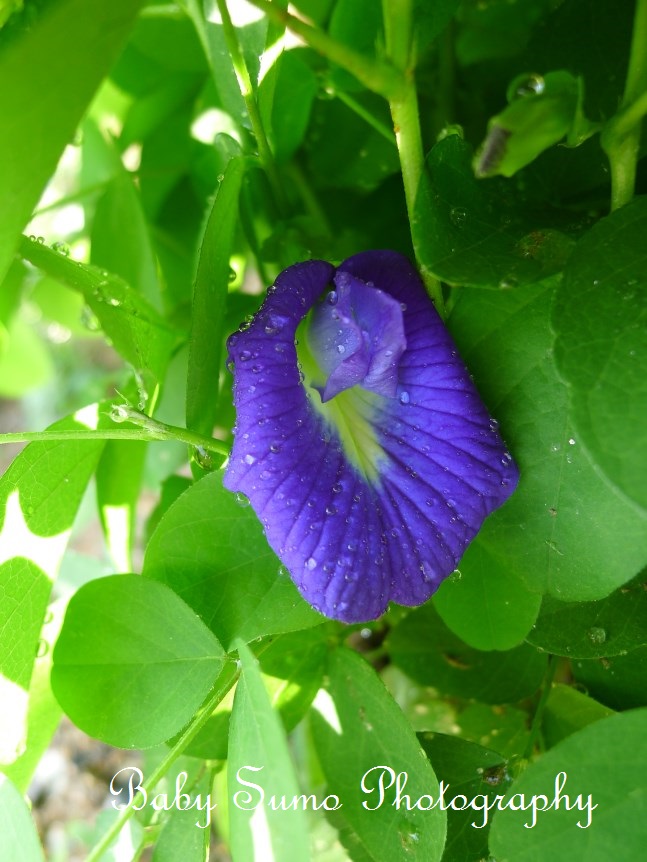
354	337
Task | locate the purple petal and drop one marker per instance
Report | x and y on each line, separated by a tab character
384	512
357	337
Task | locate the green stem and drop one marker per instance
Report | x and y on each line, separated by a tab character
249	97
378	76
406	123
226	680
361	111
621	137
150	429
541	706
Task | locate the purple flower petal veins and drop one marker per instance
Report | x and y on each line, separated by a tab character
365	450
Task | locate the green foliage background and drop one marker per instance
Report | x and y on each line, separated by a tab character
160	164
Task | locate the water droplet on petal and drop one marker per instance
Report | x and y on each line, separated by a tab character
404	398
249	459
311	563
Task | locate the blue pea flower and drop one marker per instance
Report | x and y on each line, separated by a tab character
360	440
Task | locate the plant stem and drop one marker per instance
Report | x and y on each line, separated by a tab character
541	706
150	429
249	97
225	682
621	137
361	111
378	76
406	123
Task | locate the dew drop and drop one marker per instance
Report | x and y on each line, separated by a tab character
311	563
597	635
337	488
119	413
508	283
332	298
458	216
202	458
404	398
61	248
89	319
249	459
265	475
242	500
530	85
42	648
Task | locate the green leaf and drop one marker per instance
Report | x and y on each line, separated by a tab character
620	681
39	497
431	654
136	329
180	837
503	729
293	666
567	711
126	252
430	20
258	753
118	482
44	713
542	111
25	360
132	663
209	302
251	38
360	734
294	91
18	835
601	765
560	528
475	232
359	26
612	626
211	551
600	317
344	151
600	55
55	59
485	603
471	771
